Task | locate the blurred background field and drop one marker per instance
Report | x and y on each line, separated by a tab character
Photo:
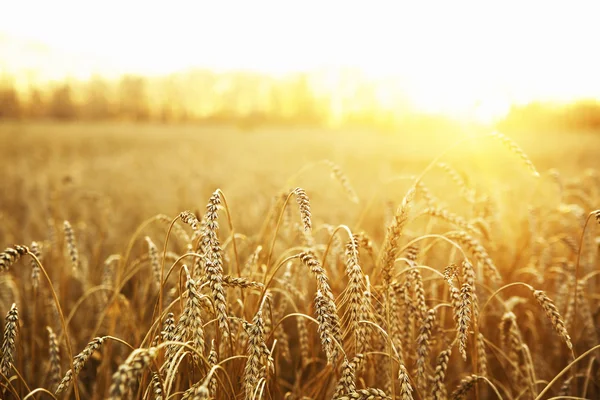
142	169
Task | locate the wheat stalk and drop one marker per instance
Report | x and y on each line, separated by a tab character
54	356
8	343
78	362
11	255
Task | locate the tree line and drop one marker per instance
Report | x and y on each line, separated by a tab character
253	99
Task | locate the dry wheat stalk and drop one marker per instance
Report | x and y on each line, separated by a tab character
189	218
394	232
78	362
339	175
213	359
347	382
589	325
464	386
439	388
201	393
512	146
327	322
71	245
11	255
154	260
304	206
479	252
36	250
355	286
395	326
325	308
214	262
553	315
458	179
190	322
156	386
365	394
303	340
405	387
125	378
512	341
254	370
54	357
416	280
8	343
464	318
481	356
423	344
452	218
241	283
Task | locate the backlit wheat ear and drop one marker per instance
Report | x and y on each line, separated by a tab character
54	357
597	215
394	232
405	388
36	250
157	389
11	255
326	326
347	382
439	388
512	146
8	343
355	285
365	394
79	361
214	262
464	386
552	313
190	323
213	359
458	180
304	206
339	175
423	344
303	340
452	218
481	356
154	260
325	307
482	256
189	218
127	374
241	283
71	245
257	351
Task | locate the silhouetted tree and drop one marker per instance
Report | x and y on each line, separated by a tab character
97	104
62	105
133	98
10	106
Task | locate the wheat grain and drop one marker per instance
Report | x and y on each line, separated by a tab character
553	315
78	362
54	357
304	206
11	255
8	342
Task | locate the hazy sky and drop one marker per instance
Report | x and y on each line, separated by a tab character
516	50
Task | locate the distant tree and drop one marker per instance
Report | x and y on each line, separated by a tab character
97	104
10	107
61	104
133	94
36	105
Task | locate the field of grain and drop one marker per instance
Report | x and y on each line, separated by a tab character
184	262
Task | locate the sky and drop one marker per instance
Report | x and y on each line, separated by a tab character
485	52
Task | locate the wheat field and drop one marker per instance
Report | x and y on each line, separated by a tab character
183	262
